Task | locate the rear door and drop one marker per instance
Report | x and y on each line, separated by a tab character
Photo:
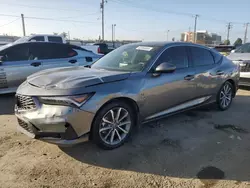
205	69
169	92
58	55
18	64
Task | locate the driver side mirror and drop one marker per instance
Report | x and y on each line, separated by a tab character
165	68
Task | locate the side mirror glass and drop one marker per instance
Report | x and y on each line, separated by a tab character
165	68
232	51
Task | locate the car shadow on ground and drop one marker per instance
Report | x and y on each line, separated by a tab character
7	103
195	144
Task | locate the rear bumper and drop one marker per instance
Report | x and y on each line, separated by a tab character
244	79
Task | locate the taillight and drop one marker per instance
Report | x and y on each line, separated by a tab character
99	50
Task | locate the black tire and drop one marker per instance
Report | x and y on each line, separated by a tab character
219	100
96	126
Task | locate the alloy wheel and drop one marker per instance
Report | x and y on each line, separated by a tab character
226	96
115	126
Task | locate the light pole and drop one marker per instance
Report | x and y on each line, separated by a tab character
113	34
167	34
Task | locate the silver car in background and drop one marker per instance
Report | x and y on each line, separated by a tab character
241	56
133	84
19	60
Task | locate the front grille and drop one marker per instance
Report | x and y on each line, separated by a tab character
25	102
24	125
245	67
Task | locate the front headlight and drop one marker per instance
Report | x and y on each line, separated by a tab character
74	101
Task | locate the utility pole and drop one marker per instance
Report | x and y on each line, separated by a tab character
102	9
195	24
245	36
23	24
229	27
113	34
167	34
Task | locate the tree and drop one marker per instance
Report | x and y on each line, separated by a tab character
227	42
64	34
238	42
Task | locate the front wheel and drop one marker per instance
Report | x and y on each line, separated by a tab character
113	125
225	96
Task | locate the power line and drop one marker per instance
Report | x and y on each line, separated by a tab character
49	19
132	4
151	9
9	22
38	7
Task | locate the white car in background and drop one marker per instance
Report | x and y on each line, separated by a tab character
42	38
241	56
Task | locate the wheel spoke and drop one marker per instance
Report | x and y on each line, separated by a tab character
104	129
124	116
112	115
118	114
118	134
124	123
107	121
112	136
123	130
108	134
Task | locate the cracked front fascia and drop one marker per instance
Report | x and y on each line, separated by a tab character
52	118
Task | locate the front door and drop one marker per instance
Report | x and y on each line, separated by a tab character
18	63
169	92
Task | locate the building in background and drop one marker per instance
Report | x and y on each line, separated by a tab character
202	37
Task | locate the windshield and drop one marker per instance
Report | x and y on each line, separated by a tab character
5	46
128	58
245	48
23	39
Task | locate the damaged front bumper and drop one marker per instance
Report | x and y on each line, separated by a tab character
62	125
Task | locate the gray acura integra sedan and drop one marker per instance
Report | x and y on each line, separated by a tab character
135	83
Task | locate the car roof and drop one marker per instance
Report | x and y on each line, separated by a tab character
165	44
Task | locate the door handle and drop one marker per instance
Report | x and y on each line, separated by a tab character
35	64
219	72
72	61
189	77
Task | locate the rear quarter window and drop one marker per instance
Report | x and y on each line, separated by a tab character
217	56
55	39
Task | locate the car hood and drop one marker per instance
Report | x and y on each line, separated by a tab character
239	56
74	77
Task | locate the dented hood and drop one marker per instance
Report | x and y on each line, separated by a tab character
74	77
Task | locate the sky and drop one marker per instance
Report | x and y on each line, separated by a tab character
147	20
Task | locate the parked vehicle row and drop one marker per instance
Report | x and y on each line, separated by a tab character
98	48
19	60
135	83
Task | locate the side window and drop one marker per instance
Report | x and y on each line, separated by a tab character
201	56
55	39
37	38
56	51
16	53
217	56
175	55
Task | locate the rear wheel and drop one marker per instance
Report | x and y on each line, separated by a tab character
225	96
113	125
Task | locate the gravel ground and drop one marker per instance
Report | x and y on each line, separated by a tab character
200	148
